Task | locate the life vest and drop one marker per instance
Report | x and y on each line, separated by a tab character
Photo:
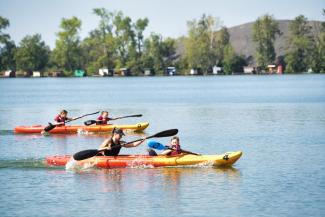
115	148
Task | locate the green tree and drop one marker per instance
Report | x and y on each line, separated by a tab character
299	53
223	40
67	52
265	30
124	41
4	23
99	48
318	62
232	62
32	53
158	53
200	46
7	47
7	53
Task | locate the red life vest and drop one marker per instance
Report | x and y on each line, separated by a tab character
102	120
176	150
59	119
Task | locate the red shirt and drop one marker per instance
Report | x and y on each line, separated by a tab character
176	150
102	120
59	119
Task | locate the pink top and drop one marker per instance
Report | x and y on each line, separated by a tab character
59	119
102	120
176	150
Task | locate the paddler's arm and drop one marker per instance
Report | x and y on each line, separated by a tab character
166	152
104	144
134	144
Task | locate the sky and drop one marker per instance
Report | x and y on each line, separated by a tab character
166	17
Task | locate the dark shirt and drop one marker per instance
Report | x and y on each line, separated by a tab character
115	148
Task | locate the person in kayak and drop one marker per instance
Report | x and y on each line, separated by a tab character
114	144
103	118
62	118
174	148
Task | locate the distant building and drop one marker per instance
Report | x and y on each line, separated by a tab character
56	74
148	72
217	70
37	74
272	69
196	71
9	74
249	70
170	71
79	73
105	72
123	72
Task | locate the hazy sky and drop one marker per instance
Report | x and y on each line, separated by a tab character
167	17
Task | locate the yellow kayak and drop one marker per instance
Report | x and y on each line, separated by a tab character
226	159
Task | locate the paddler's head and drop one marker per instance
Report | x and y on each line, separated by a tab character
63	113
117	134
104	114
174	141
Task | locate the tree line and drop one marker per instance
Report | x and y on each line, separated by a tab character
119	42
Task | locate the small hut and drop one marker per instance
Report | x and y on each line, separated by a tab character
79	73
9	74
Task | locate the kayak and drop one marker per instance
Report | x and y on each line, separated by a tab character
76	128
226	159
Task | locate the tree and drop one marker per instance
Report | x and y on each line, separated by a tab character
200	46
7	47
232	62
67	53
124	40
265	30
32	53
99	47
299	53
223	38
4	23
318	62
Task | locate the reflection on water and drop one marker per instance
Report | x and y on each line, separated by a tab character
146	179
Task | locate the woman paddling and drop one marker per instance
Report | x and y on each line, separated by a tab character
114	144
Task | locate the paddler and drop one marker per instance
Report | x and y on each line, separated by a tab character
62	118
103	118
114	144
174	148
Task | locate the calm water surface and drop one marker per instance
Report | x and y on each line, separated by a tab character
277	121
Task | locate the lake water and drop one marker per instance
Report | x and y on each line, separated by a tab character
277	121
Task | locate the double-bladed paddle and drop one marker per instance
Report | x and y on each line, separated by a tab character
52	126
82	155
159	146
90	122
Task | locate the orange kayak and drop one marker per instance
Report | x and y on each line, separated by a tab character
76	128
226	159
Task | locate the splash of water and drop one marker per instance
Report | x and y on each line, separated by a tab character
74	166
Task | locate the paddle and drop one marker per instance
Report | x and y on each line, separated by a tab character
90	122
52	126
82	155
159	146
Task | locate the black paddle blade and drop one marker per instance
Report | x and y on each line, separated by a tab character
49	127
90	122
82	155
166	133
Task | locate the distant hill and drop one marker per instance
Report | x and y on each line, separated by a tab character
242	40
